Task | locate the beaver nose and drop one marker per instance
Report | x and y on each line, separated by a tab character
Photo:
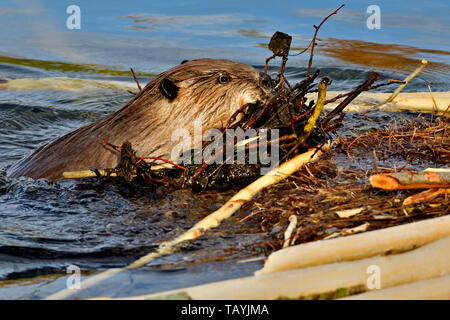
266	81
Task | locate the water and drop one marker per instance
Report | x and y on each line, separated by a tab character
46	226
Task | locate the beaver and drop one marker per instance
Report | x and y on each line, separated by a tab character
208	89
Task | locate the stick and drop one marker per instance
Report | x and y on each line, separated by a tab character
135	79
86	174
411	180
212	220
321	95
407	80
289	230
103	173
369	81
420	264
375	163
314	39
424	196
307	129
371	243
342	95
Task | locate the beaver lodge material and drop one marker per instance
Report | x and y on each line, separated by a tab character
329	198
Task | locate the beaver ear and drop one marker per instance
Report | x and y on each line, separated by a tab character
168	88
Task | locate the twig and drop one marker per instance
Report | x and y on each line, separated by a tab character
369	81
93	174
407	80
303	51
249	216
87	174
314	38
289	230
339	96
424	196
375	163
307	129
436	108
135	79
412	135
322	94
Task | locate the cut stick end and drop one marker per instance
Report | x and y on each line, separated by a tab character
383	181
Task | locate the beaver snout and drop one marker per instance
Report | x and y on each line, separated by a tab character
266	82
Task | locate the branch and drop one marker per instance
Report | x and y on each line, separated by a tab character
407	80
314	38
410	180
135	79
369	81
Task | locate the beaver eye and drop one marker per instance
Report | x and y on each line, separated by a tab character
224	78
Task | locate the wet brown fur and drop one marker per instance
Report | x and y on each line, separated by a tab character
149	119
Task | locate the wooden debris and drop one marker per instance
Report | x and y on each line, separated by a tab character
371	243
212	220
410	180
104	173
374	76
86	174
349	212
407	80
424	263
358	229
290	229
425	196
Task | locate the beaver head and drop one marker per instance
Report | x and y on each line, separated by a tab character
208	90
214	89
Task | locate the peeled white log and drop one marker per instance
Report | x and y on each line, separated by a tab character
427	262
413	101
393	239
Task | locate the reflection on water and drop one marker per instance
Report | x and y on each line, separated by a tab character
385	56
46	226
153	35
